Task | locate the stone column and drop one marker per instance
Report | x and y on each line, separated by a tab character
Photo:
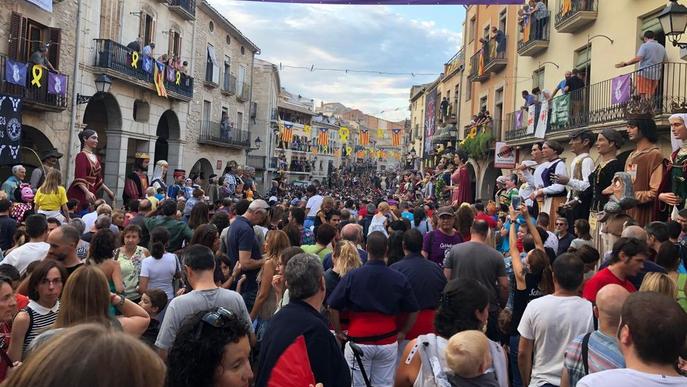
175	156
115	164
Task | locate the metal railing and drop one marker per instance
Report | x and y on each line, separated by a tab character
220	134
187	5
117	57
30	92
662	86
477	62
229	84
535	30
568	9
455	62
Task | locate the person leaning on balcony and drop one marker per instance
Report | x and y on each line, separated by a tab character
148	49
650	54
40	57
541	17
500	39
562	84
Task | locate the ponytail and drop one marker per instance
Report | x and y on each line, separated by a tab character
159	238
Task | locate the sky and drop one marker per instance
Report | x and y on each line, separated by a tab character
406	39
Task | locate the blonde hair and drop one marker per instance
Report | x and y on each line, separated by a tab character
659	283
77	357
328	200
52	181
85	298
383	206
345	257
467	353
276	241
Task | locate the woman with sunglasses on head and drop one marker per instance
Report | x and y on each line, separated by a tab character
212	348
45	287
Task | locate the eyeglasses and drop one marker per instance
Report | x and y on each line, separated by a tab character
216	318
561	224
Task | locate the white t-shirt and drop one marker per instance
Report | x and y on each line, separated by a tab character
89	220
23	255
314	204
625	377
160	272
553	322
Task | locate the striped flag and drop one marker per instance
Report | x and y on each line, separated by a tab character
396	137
287	132
364	137
323	137
159	79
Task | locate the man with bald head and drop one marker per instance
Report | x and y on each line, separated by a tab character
627	260
351	232
597	351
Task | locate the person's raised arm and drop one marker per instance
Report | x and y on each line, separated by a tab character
538	242
134	319
515	254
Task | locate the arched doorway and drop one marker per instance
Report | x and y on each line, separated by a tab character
167	129
202	168
488	186
34	143
102	115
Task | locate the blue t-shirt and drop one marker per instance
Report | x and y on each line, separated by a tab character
242	238
561	85
408	215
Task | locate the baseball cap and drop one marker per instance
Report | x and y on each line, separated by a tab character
445	210
258	204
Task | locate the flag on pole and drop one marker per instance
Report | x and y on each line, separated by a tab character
364	137
323	137
396	137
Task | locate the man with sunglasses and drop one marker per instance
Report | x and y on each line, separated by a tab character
199	267
299	338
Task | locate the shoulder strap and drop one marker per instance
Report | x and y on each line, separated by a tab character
585	352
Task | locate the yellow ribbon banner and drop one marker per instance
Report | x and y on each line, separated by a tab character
343	133
349	150
37	72
380	133
307	129
134	59
178	80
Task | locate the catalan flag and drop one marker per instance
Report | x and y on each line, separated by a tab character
364	137
286	132
323	136
396	137
159	79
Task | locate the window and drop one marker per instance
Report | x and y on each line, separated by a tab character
212	66
239	120
174	42
538	78
502	21
207	112
27	35
227	73
146	28
241	79
482	103
211	26
141	111
228	39
243	50
473	29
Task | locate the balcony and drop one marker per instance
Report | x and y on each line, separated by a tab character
213	133
496	56
115	60
34	98
456	63
534	38
184	8
244	95
575	15
257	162
602	104
477	72
229	85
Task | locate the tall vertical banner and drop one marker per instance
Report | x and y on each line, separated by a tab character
10	129
542	120
531	118
364	138
323	137
430	112
559	111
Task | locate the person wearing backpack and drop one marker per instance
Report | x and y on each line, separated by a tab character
598	350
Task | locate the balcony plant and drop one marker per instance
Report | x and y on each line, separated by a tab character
477	141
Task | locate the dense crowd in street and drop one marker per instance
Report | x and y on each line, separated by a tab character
565	277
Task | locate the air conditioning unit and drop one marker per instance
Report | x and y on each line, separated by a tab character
253	109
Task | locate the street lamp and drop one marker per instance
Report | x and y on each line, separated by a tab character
102	85
673	19
258	142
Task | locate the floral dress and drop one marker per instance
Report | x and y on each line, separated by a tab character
131	270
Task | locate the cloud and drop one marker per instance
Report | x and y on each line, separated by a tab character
374	38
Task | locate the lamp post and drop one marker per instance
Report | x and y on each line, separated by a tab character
673	20
102	85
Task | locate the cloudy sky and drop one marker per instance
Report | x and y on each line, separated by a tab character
406	39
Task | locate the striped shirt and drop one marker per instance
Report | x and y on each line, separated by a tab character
603	354
41	319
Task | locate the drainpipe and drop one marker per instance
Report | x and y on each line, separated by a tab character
250	104
75	75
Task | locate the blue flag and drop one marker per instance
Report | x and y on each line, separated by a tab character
15	72
148	64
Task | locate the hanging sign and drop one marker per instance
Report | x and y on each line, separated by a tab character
10	129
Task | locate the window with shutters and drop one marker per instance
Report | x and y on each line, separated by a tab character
27	35
174	42
146	28
212	67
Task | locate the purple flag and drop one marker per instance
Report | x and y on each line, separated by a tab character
15	72
621	88
518	118
171	73
57	83
398	2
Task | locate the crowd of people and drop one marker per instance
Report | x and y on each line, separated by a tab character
371	279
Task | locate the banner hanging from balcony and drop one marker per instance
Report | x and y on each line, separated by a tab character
15	72
10	129
159	79
396	137
543	120
57	83
323	137
343	134
531	118
364	137
395	2
380	133
621	88
559	111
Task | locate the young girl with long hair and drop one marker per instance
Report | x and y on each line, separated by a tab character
51	197
266	299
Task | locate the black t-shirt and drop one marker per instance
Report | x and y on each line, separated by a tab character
72	269
242	238
331	279
523	297
8	226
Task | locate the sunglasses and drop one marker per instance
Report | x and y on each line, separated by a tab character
217	318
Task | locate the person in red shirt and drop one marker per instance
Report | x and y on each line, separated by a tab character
627	260
479	207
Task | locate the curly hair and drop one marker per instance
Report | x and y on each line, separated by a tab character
102	246
459	302
199	347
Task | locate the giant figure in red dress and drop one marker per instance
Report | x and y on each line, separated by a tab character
88	172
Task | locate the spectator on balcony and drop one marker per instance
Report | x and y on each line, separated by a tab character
224	128
574	84
184	68
541	17
444	107
529	99
500	39
40	58
650	55
135	45
562	84
148	49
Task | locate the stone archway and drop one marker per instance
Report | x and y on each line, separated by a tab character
105	117
201	167
488	182
168	142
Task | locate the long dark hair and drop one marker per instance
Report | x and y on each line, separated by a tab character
200	214
159	238
418	216
459	302
84	134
